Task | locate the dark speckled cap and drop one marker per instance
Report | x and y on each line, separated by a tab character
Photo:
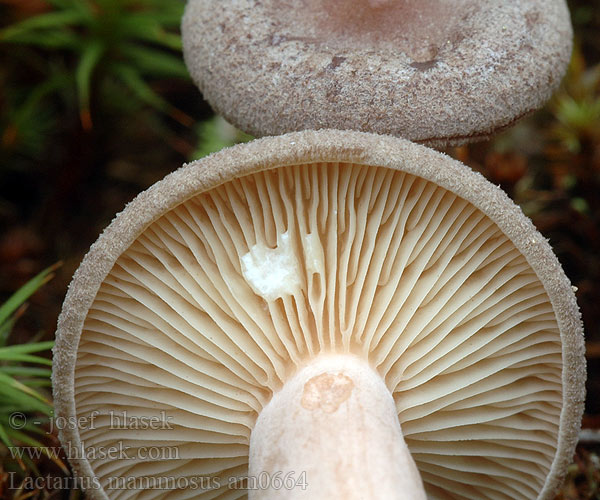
435	72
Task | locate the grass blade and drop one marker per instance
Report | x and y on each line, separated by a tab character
157	63
4	436
13	386
6	352
90	56
45	39
23	293
50	20
136	84
26	371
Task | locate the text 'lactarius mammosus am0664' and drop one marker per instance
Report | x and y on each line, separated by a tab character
355	309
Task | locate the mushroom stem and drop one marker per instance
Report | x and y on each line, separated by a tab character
332	432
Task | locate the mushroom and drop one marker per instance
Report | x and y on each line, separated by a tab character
324	314
435	72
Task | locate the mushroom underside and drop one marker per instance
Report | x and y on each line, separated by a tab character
221	300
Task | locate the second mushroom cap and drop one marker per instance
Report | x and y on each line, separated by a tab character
432	71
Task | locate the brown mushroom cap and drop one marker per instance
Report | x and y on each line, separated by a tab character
435	72
216	285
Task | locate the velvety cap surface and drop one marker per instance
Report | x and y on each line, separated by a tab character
436	72
216	285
